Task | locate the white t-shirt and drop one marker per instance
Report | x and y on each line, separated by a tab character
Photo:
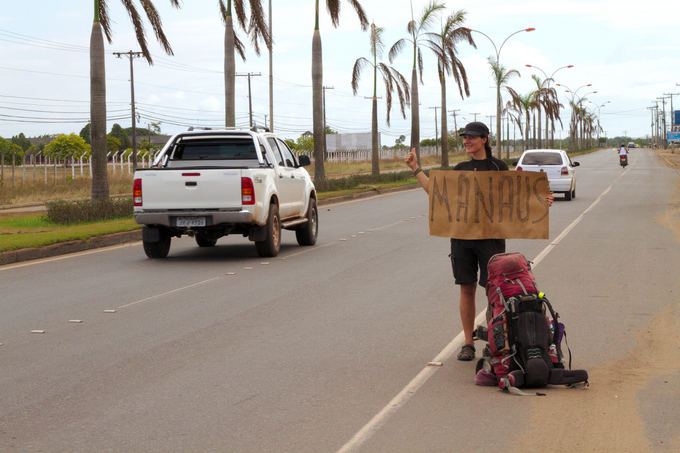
622	151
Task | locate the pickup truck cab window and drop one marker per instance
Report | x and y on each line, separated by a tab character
222	149
288	156
275	150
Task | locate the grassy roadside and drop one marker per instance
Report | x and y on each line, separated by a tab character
25	231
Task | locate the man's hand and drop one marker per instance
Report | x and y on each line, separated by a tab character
550	198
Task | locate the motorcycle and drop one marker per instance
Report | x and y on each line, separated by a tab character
623	160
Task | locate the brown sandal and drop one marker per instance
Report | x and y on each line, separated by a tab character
467	352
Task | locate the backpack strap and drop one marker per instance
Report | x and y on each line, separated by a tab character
556	332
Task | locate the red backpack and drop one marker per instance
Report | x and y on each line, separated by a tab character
524	342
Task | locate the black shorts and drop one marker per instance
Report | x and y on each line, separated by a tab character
469	255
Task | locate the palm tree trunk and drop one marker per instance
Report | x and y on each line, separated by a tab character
375	157
445	133
317	110
526	133
415	115
507	137
100	182
229	74
538	128
498	120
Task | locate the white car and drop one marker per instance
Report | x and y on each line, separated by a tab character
556	164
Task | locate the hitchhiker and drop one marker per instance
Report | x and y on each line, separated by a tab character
470	255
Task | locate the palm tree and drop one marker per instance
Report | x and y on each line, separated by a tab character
523	104
317	83
416	29
257	29
443	44
551	107
100	183
502	77
392	79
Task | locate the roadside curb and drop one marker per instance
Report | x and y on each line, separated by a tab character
64	248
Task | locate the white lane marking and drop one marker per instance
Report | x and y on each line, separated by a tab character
379	420
146	299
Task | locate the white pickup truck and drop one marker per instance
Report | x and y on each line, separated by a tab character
208	184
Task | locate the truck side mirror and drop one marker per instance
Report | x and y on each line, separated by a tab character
303	160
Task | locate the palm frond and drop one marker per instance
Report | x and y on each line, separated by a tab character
240	48
223	11
104	19
377	44
420	64
240	10
363	20
156	24
359	65
429	15
138	25
396	48
258	28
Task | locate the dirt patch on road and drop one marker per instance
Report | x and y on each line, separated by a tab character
605	417
670	159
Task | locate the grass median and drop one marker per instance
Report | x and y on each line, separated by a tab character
31	230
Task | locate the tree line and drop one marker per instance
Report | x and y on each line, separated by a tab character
247	17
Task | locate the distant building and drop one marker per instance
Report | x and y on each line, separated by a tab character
349	142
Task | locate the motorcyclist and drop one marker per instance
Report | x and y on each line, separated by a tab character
623	155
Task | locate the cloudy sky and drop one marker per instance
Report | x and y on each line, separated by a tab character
626	49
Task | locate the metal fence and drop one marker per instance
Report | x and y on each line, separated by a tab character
50	170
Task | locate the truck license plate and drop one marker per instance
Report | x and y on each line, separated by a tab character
190	221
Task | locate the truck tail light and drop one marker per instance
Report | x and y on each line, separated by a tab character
519	168
137	192
564	171
247	191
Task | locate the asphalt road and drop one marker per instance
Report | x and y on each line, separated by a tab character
326	347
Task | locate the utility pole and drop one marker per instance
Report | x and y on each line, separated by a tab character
651	111
455	125
672	113
271	76
436	129
132	55
663	121
475	114
250	102
325	126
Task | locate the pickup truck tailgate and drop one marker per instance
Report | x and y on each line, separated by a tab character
191	189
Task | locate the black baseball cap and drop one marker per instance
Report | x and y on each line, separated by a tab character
476	128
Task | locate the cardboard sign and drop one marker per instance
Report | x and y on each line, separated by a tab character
489	204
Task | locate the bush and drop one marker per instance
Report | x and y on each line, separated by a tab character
69	212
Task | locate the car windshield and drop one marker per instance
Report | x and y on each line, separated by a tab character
542	158
215	149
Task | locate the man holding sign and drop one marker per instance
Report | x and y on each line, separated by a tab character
478	213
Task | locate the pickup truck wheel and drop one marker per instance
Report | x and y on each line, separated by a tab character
158	249
306	235
272	244
204	241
